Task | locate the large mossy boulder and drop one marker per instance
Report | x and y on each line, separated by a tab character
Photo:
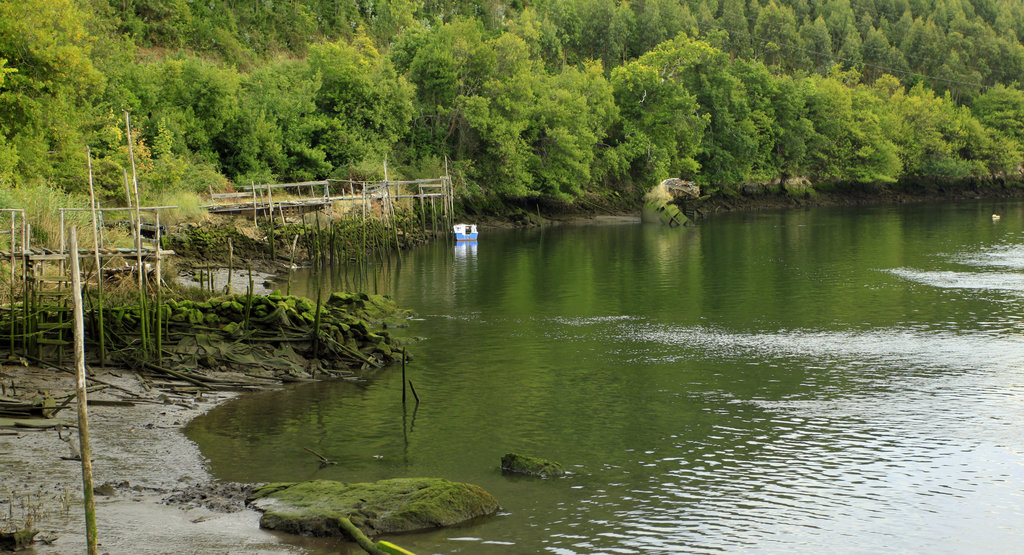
315	508
515	463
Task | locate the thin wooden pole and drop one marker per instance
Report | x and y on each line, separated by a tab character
270	200
363	226
159	267
99	264
389	208
270	231
291	264
12	279
63	242
127	193
138	237
159	293
83	415
231	265
25	230
253	186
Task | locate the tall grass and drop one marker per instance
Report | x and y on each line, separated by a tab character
190	206
42	205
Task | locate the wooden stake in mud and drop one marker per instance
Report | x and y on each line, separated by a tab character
83	415
291	264
25	232
159	293
12	280
138	237
99	264
403	377
316	318
253	186
231	265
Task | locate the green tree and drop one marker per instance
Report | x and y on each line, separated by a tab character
660	130
849	141
817	43
274	136
47	90
777	22
1002	108
367	105
538	134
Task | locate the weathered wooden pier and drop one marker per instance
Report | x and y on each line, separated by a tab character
372	197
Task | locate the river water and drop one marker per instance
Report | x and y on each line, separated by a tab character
811	380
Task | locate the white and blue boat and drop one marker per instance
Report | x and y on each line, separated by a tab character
465	232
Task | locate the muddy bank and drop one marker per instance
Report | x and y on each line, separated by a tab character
160	499
499	213
756	198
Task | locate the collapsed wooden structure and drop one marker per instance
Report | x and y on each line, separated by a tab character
376	197
39	308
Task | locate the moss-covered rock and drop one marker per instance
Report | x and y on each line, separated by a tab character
399	505
521	464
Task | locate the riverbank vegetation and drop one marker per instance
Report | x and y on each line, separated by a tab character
551	99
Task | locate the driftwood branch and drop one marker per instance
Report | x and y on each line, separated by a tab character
360	538
324	461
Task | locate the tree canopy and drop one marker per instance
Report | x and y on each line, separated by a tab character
552	98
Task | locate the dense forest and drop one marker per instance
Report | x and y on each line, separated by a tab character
519	98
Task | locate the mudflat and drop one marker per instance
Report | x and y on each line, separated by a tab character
154	494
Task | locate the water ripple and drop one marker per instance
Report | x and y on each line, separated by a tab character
990	281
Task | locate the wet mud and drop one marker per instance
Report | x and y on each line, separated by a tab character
154	494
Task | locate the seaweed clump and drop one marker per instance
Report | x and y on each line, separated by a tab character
278	334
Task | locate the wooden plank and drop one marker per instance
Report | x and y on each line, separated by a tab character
249	188
144	208
230	195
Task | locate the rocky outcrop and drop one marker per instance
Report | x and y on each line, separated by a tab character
681	189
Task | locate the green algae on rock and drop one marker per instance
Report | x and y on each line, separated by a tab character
521	464
315	508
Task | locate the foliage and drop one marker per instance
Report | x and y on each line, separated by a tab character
551	98
366	105
660	129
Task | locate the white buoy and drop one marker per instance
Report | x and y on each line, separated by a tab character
995	217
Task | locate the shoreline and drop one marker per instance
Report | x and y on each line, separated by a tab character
161	497
142	452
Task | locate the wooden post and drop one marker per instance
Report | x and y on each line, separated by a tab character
138	237
291	265
270	230
25	230
231	265
159	268
159	293
63	242
99	264
363	226
83	415
13	245
270	199
253	186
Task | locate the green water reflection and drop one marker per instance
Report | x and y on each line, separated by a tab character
794	381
